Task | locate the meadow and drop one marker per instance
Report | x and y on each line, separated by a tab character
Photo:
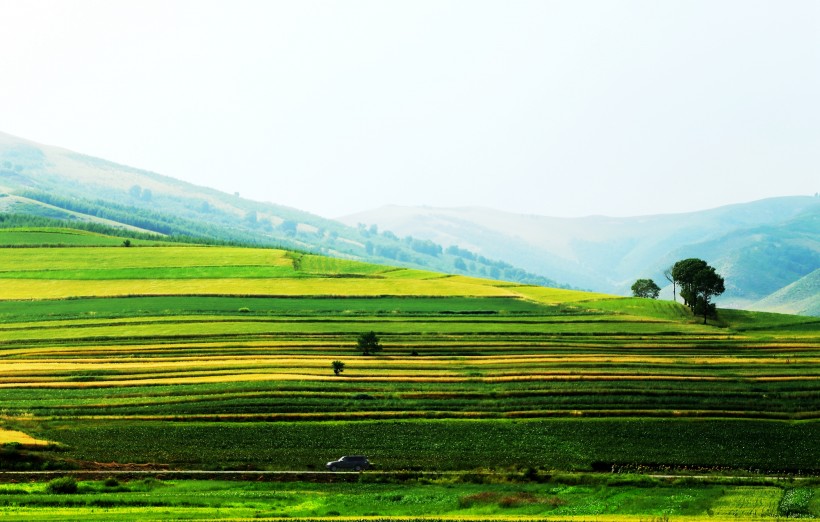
559	498
203	357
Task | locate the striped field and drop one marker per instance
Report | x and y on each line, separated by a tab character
104	344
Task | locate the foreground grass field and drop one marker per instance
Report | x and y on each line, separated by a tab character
567	498
193	357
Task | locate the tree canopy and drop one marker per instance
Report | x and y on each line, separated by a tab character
646	288
368	343
698	283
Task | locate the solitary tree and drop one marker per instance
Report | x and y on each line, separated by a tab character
338	367
667	273
684	274
368	343
708	283
698	283
646	288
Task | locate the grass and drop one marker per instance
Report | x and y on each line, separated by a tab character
214	357
33	237
152	499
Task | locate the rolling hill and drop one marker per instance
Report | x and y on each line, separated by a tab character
799	297
186	356
129	365
59	184
760	247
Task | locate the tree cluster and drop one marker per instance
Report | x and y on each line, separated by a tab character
698	283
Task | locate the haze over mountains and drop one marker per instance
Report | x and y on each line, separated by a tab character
52	182
768	251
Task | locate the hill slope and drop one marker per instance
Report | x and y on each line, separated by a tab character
47	181
207	356
760	247
799	297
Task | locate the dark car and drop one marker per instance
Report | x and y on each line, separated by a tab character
354	462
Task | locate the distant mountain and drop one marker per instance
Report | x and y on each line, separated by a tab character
760	247
799	297
51	182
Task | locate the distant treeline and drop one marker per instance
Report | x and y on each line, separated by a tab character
8	221
170	227
161	223
250	230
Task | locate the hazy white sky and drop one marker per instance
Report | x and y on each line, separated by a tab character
561	108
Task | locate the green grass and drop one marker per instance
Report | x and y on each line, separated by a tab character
223	358
29	237
15	311
152	499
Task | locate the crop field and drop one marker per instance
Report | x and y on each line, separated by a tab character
195	357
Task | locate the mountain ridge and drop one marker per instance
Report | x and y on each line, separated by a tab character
607	254
58	183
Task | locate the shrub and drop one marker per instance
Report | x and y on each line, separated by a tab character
795	503
62	486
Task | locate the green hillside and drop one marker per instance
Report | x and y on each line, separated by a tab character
75	190
220	357
759	247
799	297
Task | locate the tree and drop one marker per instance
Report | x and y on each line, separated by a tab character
289	227
338	367
368	343
646	288
698	283
667	273
684	274
708	283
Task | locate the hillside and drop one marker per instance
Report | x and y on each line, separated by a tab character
760	247
50	182
799	297
214	357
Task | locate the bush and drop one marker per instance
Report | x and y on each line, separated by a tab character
795	503
62	486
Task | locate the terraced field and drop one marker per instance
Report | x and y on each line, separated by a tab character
189	356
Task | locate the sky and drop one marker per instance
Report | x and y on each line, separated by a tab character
558	108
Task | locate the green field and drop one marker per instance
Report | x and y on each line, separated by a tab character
197	357
559	498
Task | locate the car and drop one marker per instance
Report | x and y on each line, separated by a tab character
354	462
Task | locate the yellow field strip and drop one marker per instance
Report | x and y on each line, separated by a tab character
352	287
388	378
197	360
114	258
12	436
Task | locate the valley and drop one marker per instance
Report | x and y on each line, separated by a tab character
191	357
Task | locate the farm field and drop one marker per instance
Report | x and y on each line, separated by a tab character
197	357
